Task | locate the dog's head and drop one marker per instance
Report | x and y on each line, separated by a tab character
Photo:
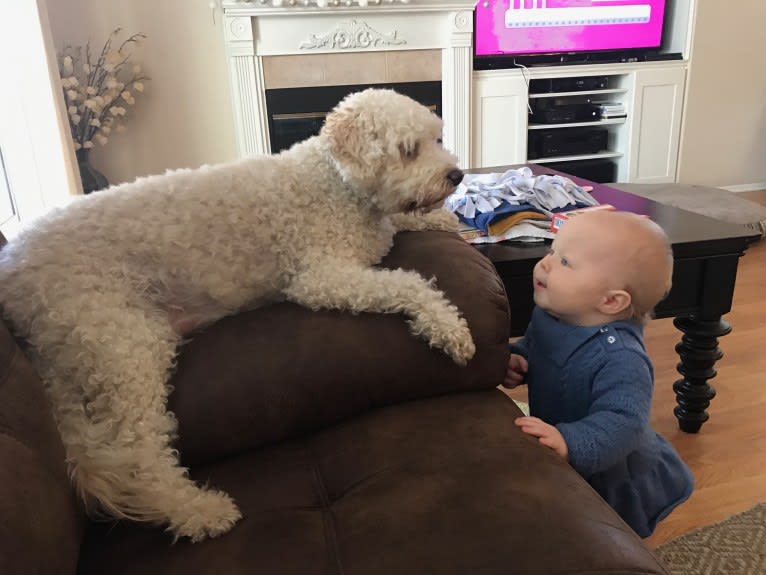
388	148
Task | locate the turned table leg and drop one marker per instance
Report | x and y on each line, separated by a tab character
699	352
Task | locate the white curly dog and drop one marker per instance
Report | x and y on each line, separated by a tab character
105	289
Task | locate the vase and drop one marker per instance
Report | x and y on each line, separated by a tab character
92	179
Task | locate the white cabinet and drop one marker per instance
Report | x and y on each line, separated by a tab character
499	123
658	96
642	144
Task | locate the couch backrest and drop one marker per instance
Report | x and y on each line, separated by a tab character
40	520
282	370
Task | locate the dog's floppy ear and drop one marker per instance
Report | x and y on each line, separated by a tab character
354	142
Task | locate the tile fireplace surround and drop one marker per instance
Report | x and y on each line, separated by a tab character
258	29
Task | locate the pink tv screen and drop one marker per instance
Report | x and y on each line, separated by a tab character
548	26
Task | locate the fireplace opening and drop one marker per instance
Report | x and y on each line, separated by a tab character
298	113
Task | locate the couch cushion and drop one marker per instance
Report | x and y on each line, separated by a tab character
40	523
444	485
283	370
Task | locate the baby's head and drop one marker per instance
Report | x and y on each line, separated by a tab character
604	266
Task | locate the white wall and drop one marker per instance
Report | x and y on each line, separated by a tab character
183	118
724	132
38	158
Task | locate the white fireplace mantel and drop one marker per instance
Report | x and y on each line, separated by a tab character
260	28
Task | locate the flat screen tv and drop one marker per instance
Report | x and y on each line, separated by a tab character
529	32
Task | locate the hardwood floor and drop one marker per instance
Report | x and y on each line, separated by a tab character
728	456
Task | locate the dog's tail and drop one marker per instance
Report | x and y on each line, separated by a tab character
105	362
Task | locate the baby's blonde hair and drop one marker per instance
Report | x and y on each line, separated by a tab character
650	279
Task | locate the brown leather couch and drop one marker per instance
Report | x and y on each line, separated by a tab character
349	445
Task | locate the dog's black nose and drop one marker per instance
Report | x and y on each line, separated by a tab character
455	176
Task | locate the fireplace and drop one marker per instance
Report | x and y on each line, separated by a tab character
295	114
264	35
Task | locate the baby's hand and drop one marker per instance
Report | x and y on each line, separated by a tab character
517	369
548	435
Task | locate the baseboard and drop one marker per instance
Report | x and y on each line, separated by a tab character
745	187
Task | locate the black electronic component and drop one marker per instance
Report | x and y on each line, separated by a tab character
563	142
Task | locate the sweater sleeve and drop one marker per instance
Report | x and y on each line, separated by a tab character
521	346
622	399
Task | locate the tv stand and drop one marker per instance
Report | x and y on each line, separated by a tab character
561	62
610	58
641	146
585	59
662	56
573	59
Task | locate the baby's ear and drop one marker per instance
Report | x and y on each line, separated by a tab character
615	302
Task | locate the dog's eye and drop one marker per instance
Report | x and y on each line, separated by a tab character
409	152
439	141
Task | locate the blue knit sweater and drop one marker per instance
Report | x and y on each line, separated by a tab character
595	385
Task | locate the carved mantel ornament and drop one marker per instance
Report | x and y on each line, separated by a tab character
350	34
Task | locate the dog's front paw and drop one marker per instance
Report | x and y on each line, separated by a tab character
208	515
447	331
459	346
441	219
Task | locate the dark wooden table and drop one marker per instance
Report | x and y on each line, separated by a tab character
706	254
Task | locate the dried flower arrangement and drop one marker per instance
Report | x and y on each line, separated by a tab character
97	92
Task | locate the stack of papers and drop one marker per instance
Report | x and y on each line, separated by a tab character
524	231
514	205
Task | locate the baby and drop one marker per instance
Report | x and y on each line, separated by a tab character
589	376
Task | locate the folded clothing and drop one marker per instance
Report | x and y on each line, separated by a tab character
493	203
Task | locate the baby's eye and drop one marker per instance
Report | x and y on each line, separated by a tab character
550	251
565	262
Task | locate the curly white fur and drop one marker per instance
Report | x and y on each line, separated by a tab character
105	289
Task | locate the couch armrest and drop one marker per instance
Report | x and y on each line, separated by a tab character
41	522
282	370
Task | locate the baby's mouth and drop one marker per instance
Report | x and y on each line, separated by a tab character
539	284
